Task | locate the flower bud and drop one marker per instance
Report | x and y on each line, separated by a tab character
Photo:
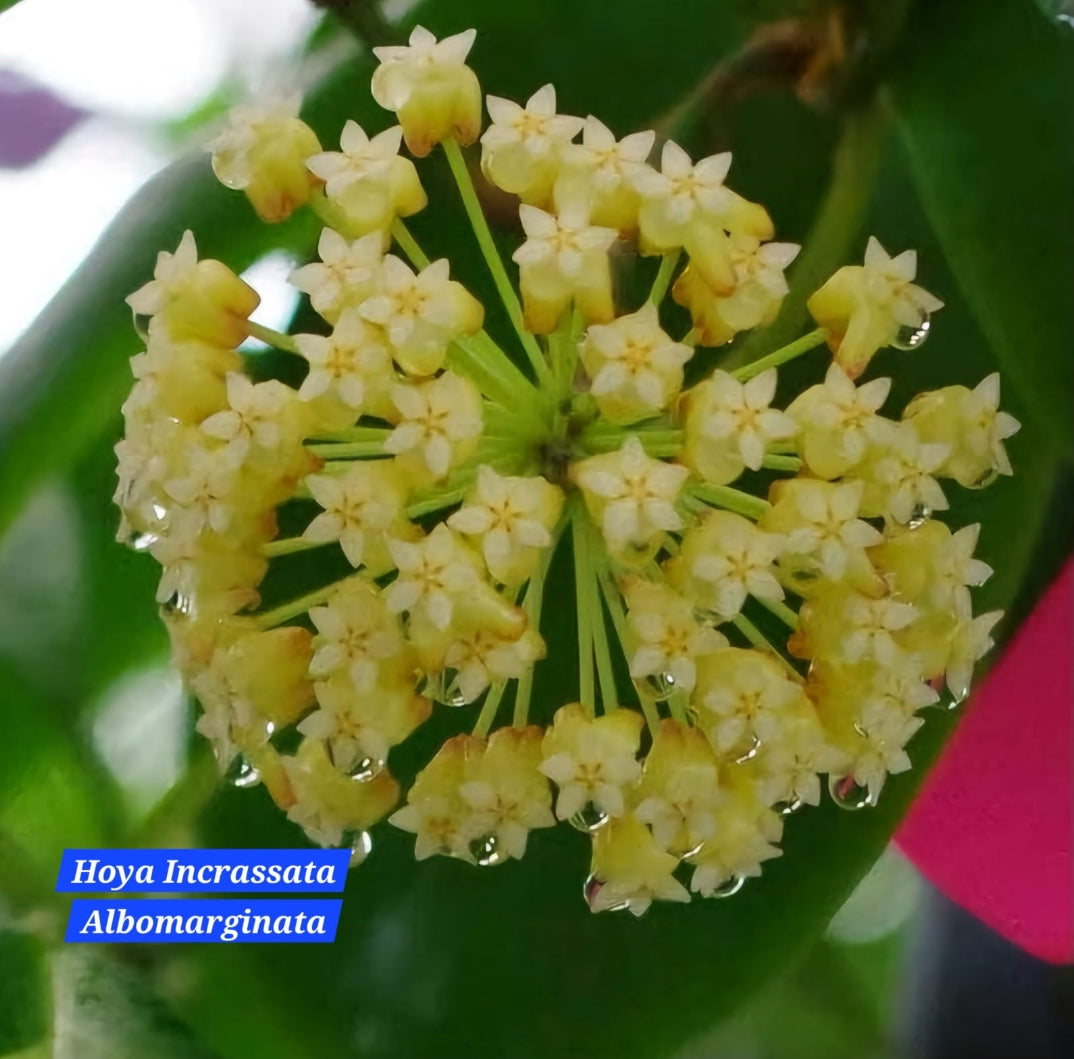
432	91
263	152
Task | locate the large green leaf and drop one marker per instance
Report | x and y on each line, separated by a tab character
985	103
24	1005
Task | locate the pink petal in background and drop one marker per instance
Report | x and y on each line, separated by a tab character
993	825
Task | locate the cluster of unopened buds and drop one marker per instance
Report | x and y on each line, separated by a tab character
735	643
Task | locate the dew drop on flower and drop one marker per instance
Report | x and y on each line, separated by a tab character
912	337
591	892
919	516
443	687
848	794
242	774
985	480
661	685
141	542
750	750
589	818
486	851
361	845
178	604
788	806
730	886
366	768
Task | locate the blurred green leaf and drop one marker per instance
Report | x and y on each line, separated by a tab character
106	1008
1057	9
837	1003
53	792
985	103
24	1006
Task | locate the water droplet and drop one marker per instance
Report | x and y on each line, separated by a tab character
752	745
486	851
589	818
788	805
660	685
361	845
366	768
443	687
848	794
985	480
141	542
591	892
178	604
919	516
730	886
241	773
912	337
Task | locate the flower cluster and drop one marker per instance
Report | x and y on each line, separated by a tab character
779	630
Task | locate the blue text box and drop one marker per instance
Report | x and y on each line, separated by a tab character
292	871
203	920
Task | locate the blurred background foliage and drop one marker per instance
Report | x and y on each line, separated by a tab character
941	125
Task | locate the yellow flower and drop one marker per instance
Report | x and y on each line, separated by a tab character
631	495
635	369
929	564
264	677
826	541
347	274
865	307
507	795
523	147
843	625
263	152
421	315
433	92
743	700
356	636
724	559
440	422
369	180
687	205
184	379
361	506
729	425
513	518
745	837
327	803
592	760
837	422
200	300
601	169
670	640
351	363
564	257
679	793
433	573
630	870
969	425
360	726
757	291
899	476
